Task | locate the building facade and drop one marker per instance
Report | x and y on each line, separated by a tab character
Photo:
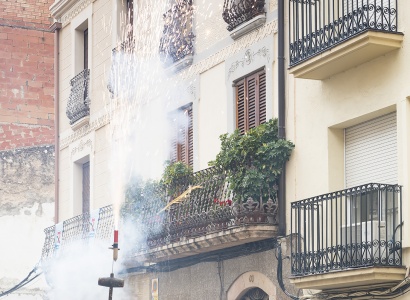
203	69
26	138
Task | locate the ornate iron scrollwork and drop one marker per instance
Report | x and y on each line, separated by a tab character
236	12
177	39
78	105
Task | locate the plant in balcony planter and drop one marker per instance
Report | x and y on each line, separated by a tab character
176	178
253	162
139	195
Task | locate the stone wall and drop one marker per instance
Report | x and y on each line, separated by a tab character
26	208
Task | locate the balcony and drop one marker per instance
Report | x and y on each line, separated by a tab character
206	220
177	42
122	58
242	16
328	36
348	239
78	105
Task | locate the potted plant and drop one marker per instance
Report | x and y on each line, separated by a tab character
253	162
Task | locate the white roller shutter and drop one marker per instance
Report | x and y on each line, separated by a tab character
371	151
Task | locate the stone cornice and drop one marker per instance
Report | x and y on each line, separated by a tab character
64	10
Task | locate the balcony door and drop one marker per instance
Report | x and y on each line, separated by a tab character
371	152
371	157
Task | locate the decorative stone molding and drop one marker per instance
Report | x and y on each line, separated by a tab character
250	280
65	10
83	131
248	59
238	45
81	146
273	5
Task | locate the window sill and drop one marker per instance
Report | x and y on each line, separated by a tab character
181	64
248	26
80	123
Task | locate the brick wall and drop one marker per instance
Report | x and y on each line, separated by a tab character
26	74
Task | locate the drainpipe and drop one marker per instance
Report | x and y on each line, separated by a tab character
281	113
56	29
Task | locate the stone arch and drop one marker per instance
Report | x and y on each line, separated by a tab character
248	281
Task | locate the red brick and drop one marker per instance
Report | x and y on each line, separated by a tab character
4	54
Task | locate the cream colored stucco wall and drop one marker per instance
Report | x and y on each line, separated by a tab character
212	114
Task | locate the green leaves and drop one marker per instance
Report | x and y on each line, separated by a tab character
253	161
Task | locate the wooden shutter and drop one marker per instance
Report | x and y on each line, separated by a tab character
182	142
262	97
241	107
252	98
190	138
251	101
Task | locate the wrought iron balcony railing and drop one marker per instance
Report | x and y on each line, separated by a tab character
97	224
78	105
356	227
237	12
177	40
318	25
207	209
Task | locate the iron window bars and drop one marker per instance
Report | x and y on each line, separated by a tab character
318	25
351	228
78	105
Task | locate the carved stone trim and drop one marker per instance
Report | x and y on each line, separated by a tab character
83	131
248	58
63	15
273	5
238	45
81	146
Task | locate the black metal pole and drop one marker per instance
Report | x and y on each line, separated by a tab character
281	112
110	293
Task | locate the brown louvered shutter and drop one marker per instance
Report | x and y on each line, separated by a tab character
251	101
262	97
182	142
190	138
241	107
174	139
252	97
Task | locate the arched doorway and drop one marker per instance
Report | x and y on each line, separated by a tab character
252	286
255	294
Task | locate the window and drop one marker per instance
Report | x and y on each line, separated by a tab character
182	141
86	49
86	188
250	93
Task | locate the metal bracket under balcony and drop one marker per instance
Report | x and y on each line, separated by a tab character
78	105
328	36
348	238
242	16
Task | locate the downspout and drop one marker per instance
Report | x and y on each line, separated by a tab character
56	29
281	113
